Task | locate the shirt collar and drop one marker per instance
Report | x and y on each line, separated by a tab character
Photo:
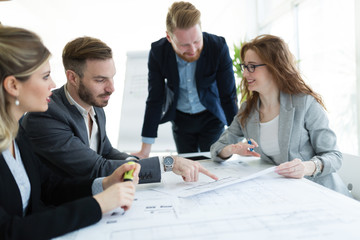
182	62
80	108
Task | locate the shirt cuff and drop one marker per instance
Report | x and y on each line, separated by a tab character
97	186
134	158
148	140
161	161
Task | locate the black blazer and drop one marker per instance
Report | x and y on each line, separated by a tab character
42	220
59	137
215	83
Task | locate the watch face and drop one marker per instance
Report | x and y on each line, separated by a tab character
168	160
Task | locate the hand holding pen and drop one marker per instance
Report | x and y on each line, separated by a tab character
240	148
249	142
117	191
127	171
250	148
128	175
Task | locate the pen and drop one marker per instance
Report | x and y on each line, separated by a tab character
249	142
128	176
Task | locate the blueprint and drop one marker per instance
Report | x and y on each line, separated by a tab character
186	189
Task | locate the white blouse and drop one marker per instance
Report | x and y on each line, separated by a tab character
17	169
269	137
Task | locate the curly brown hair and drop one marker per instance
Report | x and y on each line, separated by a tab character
281	63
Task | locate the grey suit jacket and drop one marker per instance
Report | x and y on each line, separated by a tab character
59	137
304	133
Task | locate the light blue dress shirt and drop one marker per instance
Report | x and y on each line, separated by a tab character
188	101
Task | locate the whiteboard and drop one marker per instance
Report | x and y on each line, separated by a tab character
133	108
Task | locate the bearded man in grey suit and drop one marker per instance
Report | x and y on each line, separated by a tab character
70	137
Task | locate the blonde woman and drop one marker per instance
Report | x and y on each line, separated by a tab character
28	190
282	117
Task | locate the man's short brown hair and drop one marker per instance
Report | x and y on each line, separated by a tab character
81	49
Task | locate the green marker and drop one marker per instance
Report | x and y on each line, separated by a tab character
128	176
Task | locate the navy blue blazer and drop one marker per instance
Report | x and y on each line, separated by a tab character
59	136
42	220
214	81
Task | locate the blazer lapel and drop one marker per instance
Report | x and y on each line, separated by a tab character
31	171
76	116
171	84
286	119
253	126
172	69
101	128
9	187
199	71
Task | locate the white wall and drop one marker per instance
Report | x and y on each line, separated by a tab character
125	25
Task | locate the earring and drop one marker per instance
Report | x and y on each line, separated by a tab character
17	103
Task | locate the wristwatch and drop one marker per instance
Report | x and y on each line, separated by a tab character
318	164
168	162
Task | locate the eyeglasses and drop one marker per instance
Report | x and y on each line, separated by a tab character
250	67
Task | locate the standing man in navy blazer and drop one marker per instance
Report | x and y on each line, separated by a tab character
191	84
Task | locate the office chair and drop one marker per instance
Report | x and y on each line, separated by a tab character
350	174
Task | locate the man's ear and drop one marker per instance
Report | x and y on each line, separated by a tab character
72	77
12	86
168	37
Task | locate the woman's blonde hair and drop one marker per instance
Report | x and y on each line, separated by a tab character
22	53
281	63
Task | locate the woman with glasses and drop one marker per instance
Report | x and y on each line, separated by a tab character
282	117
34	202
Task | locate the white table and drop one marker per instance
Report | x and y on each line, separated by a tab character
268	207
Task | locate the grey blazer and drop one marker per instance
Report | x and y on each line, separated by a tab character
304	133
59	137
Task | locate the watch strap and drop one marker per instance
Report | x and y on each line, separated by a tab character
318	164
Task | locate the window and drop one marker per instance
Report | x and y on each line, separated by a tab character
323	40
